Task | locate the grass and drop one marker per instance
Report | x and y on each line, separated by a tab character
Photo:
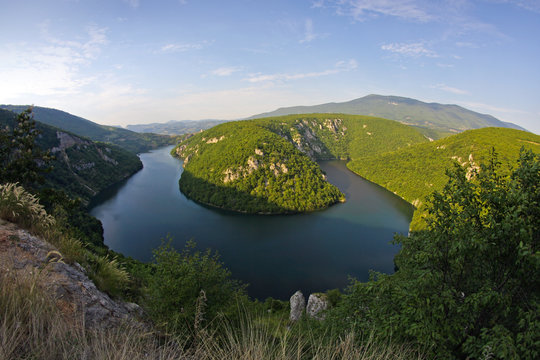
32	326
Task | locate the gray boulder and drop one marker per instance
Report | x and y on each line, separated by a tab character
298	304
316	305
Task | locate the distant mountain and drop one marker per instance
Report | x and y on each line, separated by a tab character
444	119
126	139
175	127
81	167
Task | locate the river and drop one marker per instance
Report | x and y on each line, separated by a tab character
275	255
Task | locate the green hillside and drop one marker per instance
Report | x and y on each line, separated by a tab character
81	167
416	171
267	165
433	119
241	166
129	140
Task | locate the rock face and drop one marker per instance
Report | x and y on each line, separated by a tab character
317	303
298	304
74	293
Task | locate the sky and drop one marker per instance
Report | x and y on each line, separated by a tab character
122	62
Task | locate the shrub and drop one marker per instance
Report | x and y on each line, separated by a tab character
19	206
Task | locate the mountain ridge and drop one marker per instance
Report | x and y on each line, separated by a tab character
445	118
127	139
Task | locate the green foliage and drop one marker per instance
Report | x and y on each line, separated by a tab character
260	166
414	172
334	297
107	274
20	159
177	282
244	167
467	286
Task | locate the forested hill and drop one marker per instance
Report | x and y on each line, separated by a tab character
267	165
80	167
129	140
441	119
416	171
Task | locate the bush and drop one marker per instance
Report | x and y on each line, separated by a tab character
467	286
177	282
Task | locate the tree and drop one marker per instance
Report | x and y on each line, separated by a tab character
21	159
468	285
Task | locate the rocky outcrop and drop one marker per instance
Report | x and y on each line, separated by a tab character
74	293
298	305
317	304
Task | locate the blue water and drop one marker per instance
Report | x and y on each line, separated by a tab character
275	255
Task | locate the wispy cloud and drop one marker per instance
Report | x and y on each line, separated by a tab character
492	108
416	49
339	67
531	5
450	89
309	34
361	10
132	3
225	71
51	68
179	47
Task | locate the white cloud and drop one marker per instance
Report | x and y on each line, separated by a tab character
179	47
360	10
416	49
225	71
339	67
132	3
309	34
450	89
52	67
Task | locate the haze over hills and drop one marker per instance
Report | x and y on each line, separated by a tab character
129	140
427	116
175	127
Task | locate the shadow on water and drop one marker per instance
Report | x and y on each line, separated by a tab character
277	254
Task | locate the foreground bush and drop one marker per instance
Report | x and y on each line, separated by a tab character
467	286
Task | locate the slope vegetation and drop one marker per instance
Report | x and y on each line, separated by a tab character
414	172
129	140
80	167
267	165
435	120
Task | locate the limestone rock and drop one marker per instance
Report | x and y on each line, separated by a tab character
22	253
317	303
298	304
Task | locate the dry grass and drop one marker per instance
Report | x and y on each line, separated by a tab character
33	327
